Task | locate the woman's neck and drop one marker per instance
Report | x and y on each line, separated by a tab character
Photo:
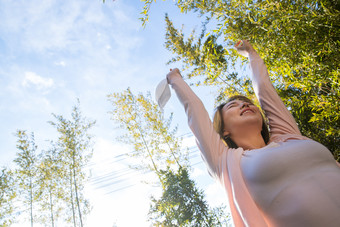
250	141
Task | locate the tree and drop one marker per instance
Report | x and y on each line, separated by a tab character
7	196
159	150
298	40
183	204
147	130
26	171
74	147
51	186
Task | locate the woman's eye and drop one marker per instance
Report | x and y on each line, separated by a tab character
230	106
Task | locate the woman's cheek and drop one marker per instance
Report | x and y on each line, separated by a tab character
230	119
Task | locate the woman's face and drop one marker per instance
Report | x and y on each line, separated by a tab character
241	116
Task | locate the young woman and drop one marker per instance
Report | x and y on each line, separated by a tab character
281	179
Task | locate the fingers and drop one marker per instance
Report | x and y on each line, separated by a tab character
173	73
246	42
243	47
242	43
175	70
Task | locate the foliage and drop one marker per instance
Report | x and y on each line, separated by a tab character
145	12
147	130
159	150
46	184
74	147
298	40
26	171
182	203
7	196
52	186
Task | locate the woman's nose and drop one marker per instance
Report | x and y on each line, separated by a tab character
245	104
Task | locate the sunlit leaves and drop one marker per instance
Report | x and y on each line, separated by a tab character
74	147
299	41
145	12
51	186
203	57
7	196
182	203
147	130
158	149
26	170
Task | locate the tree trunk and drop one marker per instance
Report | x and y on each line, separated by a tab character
31	201
74	215
147	148
76	191
51	208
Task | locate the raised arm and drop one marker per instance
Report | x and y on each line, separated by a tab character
208	141
280	120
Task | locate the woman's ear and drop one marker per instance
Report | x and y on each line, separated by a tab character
225	133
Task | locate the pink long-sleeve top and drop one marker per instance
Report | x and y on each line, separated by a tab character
254	179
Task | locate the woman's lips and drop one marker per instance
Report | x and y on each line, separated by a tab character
246	110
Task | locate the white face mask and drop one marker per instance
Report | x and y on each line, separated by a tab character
162	93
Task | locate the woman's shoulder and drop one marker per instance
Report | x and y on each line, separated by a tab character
285	137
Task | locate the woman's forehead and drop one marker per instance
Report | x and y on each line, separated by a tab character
239	100
236	101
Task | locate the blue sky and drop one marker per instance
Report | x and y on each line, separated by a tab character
53	52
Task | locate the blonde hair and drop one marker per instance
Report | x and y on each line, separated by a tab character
218	122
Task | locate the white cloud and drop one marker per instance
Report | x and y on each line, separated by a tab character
76	25
60	63
39	82
105	50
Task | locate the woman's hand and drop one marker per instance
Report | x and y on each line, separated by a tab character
244	48
173	72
